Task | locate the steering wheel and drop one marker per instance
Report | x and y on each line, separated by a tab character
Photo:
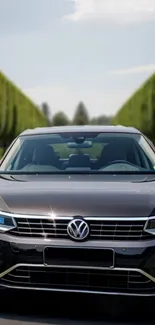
119	162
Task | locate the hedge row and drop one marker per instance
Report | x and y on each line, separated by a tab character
17	111
139	110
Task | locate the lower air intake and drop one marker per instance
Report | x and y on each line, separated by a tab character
84	280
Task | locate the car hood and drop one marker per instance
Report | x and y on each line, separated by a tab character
84	196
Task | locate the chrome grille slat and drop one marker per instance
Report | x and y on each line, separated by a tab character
47	223
18	276
36	228
37	233
132	236
100	229
120	231
108	225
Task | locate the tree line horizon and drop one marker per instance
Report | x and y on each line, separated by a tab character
80	117
137	111
18	112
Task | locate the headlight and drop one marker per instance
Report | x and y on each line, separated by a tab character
150	226
6	222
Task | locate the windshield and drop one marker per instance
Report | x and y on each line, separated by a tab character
80	152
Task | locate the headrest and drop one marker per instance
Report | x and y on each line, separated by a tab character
81	160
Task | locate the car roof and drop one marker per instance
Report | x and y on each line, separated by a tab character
80	128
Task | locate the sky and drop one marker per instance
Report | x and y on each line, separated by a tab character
65	51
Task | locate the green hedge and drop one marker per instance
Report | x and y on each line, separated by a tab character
139	110
17	111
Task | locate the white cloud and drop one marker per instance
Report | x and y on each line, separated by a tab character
138	69
118	10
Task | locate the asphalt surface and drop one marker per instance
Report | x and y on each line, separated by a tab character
36	308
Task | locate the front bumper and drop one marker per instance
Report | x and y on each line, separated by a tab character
22	266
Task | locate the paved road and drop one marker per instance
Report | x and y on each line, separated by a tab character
39	309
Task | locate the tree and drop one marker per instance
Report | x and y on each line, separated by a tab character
101	120
81	116
60	119
46	110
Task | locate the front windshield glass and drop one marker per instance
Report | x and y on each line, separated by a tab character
80	152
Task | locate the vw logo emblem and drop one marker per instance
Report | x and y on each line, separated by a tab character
78	229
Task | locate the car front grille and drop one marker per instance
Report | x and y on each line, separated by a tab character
99	229
68	279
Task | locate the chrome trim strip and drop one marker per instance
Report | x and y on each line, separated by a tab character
82	267
150	277
10	269
77	291
116	218
54	217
